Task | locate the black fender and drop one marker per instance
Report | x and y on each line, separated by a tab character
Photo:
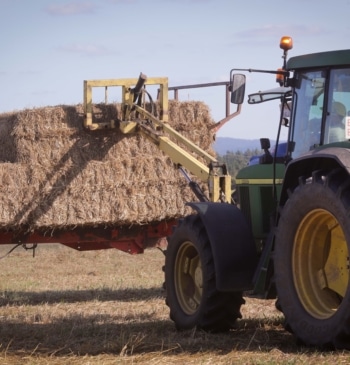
325	158
233	247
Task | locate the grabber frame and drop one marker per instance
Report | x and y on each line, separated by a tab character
127	98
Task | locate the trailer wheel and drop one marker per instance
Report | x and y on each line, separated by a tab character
190	282
311	261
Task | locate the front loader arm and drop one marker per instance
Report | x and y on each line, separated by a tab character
177	154
158	132
166	128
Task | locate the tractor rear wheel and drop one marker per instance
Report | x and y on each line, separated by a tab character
311	260
190	282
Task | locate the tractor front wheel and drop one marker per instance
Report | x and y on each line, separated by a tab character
311	260
190	282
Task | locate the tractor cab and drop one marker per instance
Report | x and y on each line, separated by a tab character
321	106
314	96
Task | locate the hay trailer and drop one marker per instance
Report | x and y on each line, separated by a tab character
59	165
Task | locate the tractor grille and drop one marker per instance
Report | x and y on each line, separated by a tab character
266	197
258	213
244	202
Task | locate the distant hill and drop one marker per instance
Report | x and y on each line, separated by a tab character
225	144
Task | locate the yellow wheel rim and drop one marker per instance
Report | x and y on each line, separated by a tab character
188	278
320	263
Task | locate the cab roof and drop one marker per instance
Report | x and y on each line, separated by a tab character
321	59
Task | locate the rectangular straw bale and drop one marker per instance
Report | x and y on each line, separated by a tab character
85	178
14	191
8	151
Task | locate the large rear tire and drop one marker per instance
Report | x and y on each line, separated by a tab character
190	282
311	260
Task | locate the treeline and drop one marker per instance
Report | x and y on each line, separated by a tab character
235	161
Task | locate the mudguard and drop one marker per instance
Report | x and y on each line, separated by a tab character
232	244
325	158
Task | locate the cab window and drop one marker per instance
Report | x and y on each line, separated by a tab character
307	111
337	123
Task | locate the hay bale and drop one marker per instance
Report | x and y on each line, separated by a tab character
73	177
13	193
8	151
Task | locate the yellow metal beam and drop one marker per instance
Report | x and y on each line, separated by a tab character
185	159
128	127
258	181
179	138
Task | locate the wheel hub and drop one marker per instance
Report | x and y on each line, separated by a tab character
188	278
320	263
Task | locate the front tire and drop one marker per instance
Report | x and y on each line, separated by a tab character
311	260
190	282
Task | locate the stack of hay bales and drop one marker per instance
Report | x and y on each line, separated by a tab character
55	174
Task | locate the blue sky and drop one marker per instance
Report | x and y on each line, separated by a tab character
50	47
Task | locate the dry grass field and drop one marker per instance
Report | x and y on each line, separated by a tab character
107	307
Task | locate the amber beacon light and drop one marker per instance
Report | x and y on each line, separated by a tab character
286	43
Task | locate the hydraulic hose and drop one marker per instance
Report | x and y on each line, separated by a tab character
140	82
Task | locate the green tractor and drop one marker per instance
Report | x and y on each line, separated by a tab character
287	234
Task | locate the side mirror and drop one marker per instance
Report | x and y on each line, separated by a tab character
265	143
237	88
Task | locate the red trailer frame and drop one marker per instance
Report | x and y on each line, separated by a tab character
132	239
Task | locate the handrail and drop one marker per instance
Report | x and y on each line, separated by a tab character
228	114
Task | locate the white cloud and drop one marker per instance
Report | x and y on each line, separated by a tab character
271	30
86	49
71	8
122	1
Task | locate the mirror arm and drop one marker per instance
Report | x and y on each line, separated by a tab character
276	72
221	122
